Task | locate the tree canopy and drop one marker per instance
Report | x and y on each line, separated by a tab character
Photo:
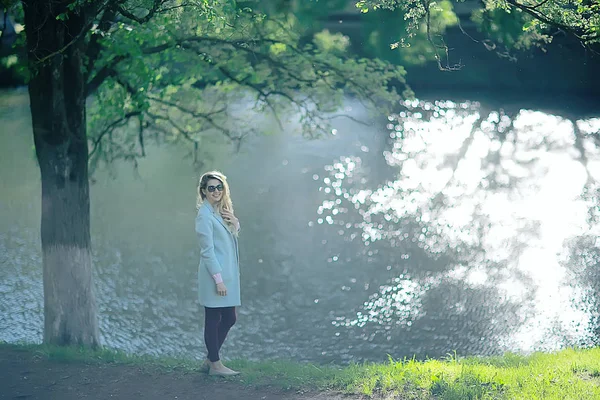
180	73
510	24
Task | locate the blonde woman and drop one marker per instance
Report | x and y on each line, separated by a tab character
218	274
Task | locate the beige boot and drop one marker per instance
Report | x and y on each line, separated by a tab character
218	369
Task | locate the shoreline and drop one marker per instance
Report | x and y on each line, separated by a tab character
566	374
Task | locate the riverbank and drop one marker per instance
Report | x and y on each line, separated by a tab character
45	372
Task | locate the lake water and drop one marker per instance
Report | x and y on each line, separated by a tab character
453	226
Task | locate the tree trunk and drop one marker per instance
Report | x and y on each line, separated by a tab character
56	90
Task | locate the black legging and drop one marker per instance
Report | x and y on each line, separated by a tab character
217	322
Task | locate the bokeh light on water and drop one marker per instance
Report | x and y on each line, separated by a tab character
469	226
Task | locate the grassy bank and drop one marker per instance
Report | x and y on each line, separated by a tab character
568	374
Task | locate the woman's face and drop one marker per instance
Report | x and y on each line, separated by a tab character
214	191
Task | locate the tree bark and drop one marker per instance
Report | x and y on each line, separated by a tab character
57	96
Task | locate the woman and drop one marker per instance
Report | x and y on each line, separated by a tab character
219	272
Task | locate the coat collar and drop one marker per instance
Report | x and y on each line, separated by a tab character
215	214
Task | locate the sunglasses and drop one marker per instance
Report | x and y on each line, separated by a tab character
213	188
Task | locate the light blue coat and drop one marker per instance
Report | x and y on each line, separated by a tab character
218	254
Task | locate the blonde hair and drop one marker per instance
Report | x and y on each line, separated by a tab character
225	204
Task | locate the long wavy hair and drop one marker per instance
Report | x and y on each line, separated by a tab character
225	204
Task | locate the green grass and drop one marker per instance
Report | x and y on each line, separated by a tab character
567	374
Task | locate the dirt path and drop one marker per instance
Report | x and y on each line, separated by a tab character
23	375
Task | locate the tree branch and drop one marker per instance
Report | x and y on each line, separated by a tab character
205	116
91	12
242	45
130	89
141	135
167	118
358	121
539	4
488	44
532	10
105	72
155	9
141	20
94	47
110	128
261	93
426	5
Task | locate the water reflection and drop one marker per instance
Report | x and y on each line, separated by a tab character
21	305
465	235
436	232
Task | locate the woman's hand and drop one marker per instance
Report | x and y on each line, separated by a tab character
229	217
221	289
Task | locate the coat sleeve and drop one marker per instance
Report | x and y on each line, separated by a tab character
204	230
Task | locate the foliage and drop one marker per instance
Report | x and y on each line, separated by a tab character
191	71
405	40
512	23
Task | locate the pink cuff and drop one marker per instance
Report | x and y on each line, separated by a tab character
217	277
